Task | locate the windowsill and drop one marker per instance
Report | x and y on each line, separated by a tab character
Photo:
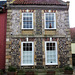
53	64
51	29
27	64
27	29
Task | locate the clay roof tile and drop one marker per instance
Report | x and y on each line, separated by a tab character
44	2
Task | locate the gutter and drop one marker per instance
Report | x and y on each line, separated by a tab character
39	6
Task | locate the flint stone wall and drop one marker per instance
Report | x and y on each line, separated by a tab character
62	22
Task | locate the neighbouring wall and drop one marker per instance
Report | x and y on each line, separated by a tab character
3	22
73	48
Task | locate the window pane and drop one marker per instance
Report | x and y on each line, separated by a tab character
24	26
52	24
48	48
23	48
52	17
54	44
53	48
30	48
47	17
30	44
27	14
48	44
24	14
51	44
47	24
30	19
23	18
28	26
24	22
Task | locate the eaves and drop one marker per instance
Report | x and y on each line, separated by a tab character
54	7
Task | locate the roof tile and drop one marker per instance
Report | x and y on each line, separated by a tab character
49	2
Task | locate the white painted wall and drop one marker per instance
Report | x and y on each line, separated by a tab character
73	48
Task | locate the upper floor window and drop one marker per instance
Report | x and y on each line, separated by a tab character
27	20
50	21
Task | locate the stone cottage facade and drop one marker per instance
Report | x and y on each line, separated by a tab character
38	34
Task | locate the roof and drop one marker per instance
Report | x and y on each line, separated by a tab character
2	3
72	30
39	2
2	6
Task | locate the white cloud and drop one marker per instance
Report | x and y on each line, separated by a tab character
65	0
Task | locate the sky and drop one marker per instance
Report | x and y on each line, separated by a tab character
71	12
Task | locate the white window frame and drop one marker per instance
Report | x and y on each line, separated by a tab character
32	20
54	20
22	54
46	53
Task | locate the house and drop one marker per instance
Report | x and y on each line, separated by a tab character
38	34
72	30
3	21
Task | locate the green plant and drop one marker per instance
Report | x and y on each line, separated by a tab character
21	72
68	68
1	72
11	69
59	70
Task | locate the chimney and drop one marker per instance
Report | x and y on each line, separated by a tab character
68	3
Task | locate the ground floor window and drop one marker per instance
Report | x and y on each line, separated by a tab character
27	53
73	59
51	53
